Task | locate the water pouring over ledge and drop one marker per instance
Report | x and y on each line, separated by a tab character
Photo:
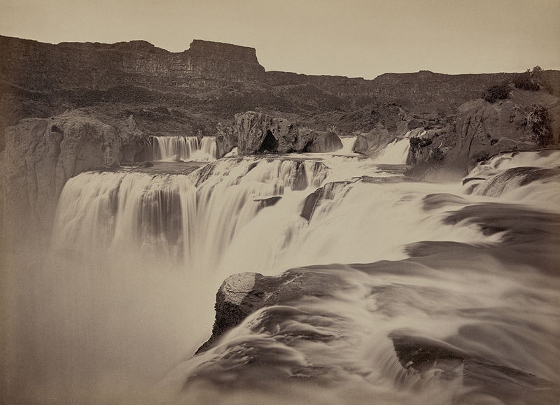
387	268
184	148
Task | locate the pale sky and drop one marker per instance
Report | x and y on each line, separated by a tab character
362	38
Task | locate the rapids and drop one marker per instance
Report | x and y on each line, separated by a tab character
440	293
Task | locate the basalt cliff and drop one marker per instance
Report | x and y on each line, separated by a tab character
72	107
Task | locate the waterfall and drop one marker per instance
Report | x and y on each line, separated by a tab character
373	287
191	219
394	153
347	145
185	148
125	212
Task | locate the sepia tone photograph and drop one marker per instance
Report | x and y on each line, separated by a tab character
280	202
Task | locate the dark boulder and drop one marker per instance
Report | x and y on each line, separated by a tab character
242	294
323	142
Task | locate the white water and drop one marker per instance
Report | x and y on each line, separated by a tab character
395	153
184	148
501	177
347	145
506	161
128	293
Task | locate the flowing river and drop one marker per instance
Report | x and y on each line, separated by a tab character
427	293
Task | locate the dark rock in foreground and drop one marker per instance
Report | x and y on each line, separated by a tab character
242	294
423	355
321	325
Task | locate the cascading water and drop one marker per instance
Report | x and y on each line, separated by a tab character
166	215
395	153
532	177
184	148
415	292
103	212
347	145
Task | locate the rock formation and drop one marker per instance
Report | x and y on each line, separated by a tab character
42	154
255	133
243	294
281	308
525	121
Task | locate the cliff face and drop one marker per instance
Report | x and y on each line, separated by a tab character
42	154
43	67
208	83
255	133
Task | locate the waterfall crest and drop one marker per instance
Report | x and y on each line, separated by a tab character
184	148
191	219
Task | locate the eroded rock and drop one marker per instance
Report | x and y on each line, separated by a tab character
42	154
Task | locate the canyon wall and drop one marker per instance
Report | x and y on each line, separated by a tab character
42	154
209	83
43	67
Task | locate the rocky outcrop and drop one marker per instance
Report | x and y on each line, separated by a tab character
261	133
374	141
281	325
421	356
226	139
242	294
324	142
256	133
42	154
525	121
